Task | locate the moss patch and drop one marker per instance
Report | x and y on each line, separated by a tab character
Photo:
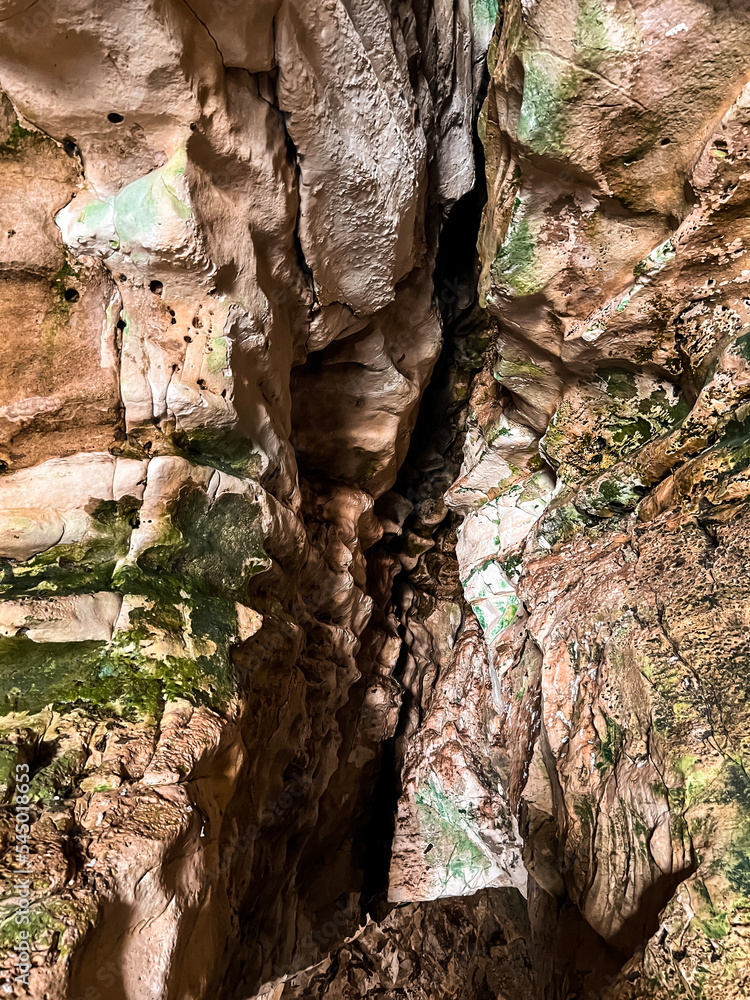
514	267
79	567
121	678
547	87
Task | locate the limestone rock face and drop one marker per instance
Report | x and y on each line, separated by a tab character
603	501
220	223
374	518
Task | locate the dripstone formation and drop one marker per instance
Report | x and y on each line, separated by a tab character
375	499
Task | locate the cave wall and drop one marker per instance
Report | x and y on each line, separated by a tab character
374	614
219	226
602	506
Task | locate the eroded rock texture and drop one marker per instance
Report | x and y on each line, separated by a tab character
342	666
603	494
219	227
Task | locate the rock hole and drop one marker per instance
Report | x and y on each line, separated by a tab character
690	196
157	288
188	340
202	383
666	142
71	295
115	118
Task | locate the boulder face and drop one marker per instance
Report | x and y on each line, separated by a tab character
374	520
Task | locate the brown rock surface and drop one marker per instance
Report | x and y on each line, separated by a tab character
204	207
343	663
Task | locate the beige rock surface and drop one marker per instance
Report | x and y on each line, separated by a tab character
341	663
204	207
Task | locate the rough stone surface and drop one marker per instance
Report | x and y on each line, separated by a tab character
603	496
219	229
374	610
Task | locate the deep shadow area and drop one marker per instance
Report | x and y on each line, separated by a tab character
432	449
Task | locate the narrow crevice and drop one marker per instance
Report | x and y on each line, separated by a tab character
433	460
292	156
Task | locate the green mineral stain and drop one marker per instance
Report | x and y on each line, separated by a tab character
591	40
190	578
151	202
741	345
20	138
96	214
514	368
585	809
737	869
713	923
562	522
656	261
121	678
484	13
10	755
218	357
514	267
512	605
211	548
446	825
49	918
618	382
59	777
143	210
77	567
474	349
611	745
630	412
600	33
548	85
510	566
227	451
615	493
